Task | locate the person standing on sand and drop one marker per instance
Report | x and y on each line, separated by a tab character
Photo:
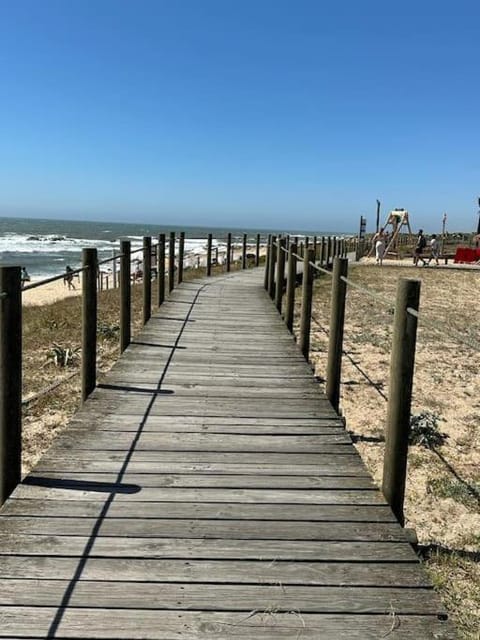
434	250
24	277
378	242
419	247
68	277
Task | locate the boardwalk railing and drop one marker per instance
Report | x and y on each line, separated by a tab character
150	267
334	263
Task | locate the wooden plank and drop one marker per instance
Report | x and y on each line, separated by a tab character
205	442
298	550
153	479
64	464
140	624
199	510
123	491
368	574
205	529
223	597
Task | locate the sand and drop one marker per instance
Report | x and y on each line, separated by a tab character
51	292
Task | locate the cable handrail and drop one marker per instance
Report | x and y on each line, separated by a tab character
352	362
319	268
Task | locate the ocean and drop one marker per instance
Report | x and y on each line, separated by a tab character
46	247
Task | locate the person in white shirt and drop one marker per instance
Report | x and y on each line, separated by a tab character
434	250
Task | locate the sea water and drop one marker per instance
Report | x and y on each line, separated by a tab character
46	247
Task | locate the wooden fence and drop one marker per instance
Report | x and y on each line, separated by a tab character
333	262
154	257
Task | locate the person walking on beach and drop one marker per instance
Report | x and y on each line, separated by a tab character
24	277
378	242
434	250
419	247
68	277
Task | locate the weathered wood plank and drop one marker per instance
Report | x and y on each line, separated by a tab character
153	479
133	624
199	510
297	550
206	442
205	529
224	597
366	574
123	491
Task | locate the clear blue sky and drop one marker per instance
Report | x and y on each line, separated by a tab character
267	113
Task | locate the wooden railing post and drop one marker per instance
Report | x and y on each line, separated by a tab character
89	321
161	269
271	267
307	295
114	269
329	252
322	252
335	343
280	277
257	251
10	380
315	248
291	283
171	262
209	255
244	251
267	263
181	254
125	295
400	395
228	257
147	279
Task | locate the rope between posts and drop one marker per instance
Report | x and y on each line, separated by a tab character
452	333
354	364
36	396
369	292
40	283
318	268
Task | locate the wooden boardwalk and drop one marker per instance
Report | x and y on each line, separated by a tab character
208	490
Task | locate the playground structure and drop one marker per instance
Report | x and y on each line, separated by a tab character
397	220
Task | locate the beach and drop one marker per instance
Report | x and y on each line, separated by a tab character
50	292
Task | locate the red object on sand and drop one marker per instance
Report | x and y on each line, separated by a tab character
465	254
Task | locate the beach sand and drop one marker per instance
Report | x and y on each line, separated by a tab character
51	292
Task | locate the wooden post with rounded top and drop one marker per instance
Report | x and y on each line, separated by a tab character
271	267
337	320
257	251
244	251
402	363
10	380
89	321
171	262
280	276
181	254
125	295
209	255
267	263
307	295
161	269
147	278
228	257
291	283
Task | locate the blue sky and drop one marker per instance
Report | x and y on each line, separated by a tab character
266	113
